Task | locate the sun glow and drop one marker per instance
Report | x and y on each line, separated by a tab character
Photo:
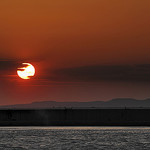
26	72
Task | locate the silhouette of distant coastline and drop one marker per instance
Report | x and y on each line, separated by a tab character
114	103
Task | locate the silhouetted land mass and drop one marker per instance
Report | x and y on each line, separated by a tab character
114	103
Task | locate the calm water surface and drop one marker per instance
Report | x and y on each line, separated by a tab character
74	138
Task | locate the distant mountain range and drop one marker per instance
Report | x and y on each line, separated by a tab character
119	102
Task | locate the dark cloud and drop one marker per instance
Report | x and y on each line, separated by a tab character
109	72
9	67
140	72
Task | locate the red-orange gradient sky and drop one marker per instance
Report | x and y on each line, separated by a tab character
82	49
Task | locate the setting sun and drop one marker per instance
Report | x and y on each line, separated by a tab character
26	72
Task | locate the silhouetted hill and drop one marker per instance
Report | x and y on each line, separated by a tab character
119	102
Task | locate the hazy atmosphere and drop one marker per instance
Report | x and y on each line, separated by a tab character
87	50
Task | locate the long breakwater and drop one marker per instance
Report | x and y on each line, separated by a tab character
75	117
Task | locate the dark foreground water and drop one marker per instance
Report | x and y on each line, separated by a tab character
74	138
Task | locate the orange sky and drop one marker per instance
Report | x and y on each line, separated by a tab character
67	34
76	32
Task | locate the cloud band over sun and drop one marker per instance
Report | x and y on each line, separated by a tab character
140	72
